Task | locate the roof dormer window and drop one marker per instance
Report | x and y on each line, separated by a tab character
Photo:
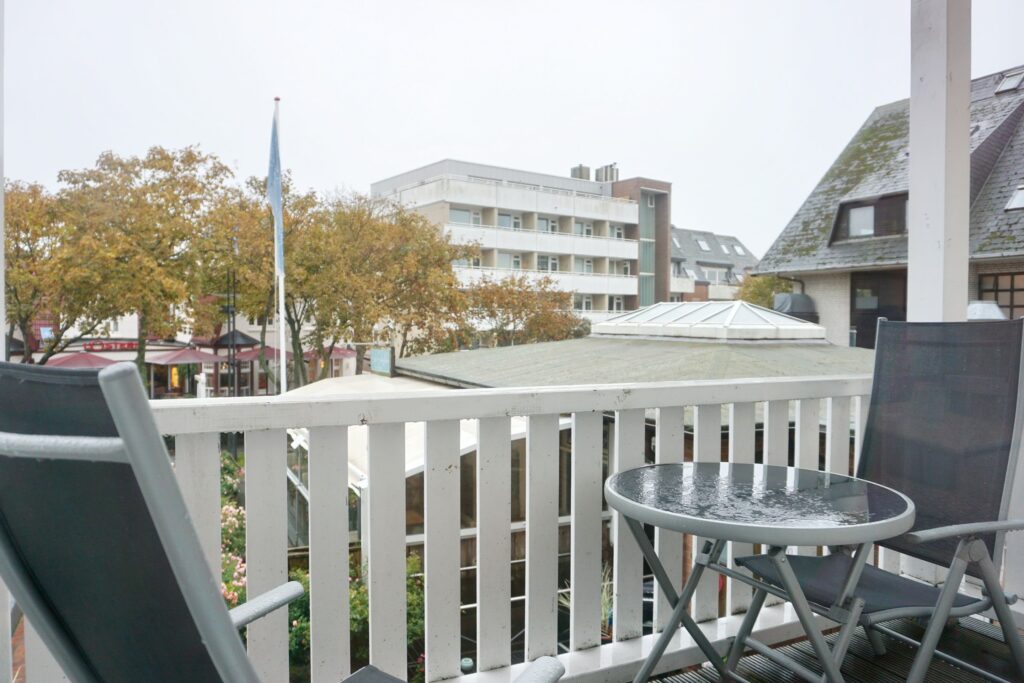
703	245
872	218
1010	82
1016	199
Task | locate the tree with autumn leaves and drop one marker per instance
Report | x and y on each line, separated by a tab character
157	236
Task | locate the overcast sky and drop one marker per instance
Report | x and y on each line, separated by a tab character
740	105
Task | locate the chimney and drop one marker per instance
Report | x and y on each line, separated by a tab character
582	172
608	174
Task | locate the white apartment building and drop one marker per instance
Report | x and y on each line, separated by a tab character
572	229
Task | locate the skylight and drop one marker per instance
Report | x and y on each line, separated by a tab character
1010	82
703	245
725	248
739	250
1016	199
709	320
675	241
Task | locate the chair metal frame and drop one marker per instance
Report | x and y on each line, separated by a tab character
847	609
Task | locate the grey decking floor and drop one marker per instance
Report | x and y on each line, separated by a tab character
977	642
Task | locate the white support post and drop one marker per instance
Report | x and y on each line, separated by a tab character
707	447
940	162
442	515
837	439
627	579
669	447
938	249
541	536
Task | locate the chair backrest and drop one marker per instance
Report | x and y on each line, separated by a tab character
95	541
944	424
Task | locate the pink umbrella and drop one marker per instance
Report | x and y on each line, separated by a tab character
185	357
82	359
270	353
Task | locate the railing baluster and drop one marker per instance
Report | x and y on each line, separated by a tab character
837	442
5	635
197	469
541	536
266	546
442	515
776	445
807	448
741	450
585	561
707	447
628	452
385	536
776	433
328	554
861	422
669	447
39	663
493	544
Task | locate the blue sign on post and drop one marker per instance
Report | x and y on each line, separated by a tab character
382	361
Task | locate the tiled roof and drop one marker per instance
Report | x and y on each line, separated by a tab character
687	251
875	163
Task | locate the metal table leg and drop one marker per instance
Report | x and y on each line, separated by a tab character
680	603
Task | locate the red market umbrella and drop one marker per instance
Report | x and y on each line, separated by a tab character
336	353
252	355
81	359
185	357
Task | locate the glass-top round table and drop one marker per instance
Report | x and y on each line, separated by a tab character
768	504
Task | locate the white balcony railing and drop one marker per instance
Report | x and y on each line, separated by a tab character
837	402
564	280
523	240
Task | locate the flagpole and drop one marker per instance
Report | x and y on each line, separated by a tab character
274	194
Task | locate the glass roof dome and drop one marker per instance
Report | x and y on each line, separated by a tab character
710	320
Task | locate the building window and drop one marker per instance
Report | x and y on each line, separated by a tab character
467	263
581	228
1016	199
547	263
725	248
703	245
458	215
504	220
1010	82
517	223
476	218
584	265
509	261
716	276
1006	289
615	303
739	250
618	232
625	268
862	221
584	302
885	216
650	201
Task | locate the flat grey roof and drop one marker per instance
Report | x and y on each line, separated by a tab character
605	360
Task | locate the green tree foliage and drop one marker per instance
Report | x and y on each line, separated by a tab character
761	290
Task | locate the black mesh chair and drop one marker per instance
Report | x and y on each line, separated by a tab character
96	544
944	428
97	547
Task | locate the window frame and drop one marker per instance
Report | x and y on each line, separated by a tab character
1014	308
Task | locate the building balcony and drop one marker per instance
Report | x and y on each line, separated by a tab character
504	194
604	419
509	239
566	281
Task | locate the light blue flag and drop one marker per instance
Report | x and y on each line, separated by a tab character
274	197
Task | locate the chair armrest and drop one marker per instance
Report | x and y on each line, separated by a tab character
959	530
264	604
542	670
